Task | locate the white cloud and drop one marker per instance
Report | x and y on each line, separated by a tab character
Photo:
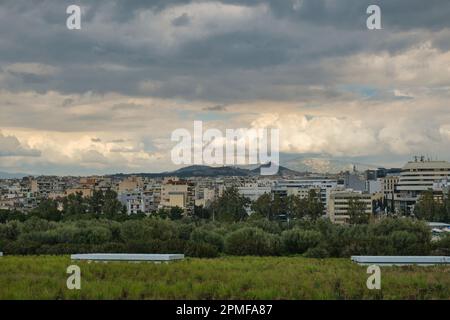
420	66
10	146
323	134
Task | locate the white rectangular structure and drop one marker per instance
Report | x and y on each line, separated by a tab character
401	260
1	254
127	257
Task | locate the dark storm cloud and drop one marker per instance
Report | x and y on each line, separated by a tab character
275	56
401	14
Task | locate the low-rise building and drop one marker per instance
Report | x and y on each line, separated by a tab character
139	201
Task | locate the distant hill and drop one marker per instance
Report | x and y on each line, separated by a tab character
325	165
282	171
17	175
207	171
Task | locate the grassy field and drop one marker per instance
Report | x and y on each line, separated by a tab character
44	277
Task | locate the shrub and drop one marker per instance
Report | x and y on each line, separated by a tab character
44	237
185	230
10	230
110	247
319	252
35	224
298	241
442	246
92	235
266	225
133	230
201	250
405	243
21	247
252	241
209	237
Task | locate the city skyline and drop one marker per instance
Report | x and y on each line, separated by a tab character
105	99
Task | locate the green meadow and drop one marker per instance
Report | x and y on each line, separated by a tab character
44	277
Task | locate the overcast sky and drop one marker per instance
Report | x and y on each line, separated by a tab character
106	98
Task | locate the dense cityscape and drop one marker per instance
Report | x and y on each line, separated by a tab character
381	192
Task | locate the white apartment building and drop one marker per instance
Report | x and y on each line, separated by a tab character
138	201
254	190
301	187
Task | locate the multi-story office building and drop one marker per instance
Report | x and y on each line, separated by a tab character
415	178
388	188
339	203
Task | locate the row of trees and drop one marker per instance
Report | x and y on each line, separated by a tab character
102	205
233	207
74	207
230	207
202	238
293	206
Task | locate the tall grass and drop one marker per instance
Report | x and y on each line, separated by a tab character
44	277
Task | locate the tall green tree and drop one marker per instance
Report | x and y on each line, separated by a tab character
112	206
75	205
357	211
430	209
262	207
176	213
314	206
47	209
96	202
231	206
